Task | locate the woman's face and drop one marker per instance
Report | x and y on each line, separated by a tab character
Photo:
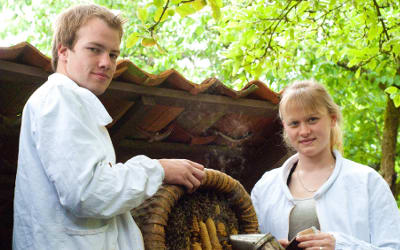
309	132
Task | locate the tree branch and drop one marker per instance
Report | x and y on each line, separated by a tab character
381	20
151	29
355	67
187	1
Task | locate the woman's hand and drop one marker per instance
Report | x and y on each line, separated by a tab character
317	241
284	243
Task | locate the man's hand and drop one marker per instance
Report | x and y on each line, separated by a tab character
183	172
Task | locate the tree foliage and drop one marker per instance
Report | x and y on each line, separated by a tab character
351	46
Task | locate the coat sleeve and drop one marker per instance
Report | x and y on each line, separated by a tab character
384	219
75	155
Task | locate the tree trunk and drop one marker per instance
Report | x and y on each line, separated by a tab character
389	142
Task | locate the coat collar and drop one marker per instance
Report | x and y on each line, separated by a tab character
93	103
287	166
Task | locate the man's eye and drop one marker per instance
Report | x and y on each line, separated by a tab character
114	56
94	50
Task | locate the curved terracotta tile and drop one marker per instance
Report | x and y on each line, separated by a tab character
27	54
127	71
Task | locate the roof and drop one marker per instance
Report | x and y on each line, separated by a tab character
160	115
163	115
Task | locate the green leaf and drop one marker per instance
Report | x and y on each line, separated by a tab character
158	13
353	62
218	3
216	8
303	6
170	12
148	42
291	33
160	49
199	4
158	3
396	101
132	39
142	14
185	9
372	64
373	32
391	90
357	75
258	70
216	12
396	80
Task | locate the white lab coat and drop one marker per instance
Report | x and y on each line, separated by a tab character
69	192
355	205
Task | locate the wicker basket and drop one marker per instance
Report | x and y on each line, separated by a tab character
200	231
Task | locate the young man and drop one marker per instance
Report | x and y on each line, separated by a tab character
70	193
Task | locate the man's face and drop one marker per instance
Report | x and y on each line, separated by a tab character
92	61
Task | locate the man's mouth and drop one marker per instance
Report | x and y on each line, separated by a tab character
101	75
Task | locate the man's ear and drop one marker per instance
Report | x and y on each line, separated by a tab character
62	53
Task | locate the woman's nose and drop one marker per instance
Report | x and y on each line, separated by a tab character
304	129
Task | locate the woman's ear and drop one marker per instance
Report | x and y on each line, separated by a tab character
333	120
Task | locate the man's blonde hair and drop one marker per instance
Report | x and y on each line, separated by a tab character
312	96
71	20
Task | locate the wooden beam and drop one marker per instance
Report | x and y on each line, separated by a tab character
124	126
200	102
175	150
21	73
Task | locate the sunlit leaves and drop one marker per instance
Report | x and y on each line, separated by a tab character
142	14
216	8
303	6
160	15
170	12
185	9
132	39
394	91
147	42
156	12
199	4
158	3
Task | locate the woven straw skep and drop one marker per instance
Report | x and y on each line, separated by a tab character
152	215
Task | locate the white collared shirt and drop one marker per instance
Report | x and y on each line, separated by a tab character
355	204
70	193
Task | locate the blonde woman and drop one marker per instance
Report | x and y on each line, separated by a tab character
350	204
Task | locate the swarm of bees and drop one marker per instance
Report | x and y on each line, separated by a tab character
173	219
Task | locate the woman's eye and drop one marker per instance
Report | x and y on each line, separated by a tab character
293	124
313	119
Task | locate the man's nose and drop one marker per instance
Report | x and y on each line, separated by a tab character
105	61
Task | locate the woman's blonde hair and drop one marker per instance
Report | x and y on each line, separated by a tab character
69	22
312	96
